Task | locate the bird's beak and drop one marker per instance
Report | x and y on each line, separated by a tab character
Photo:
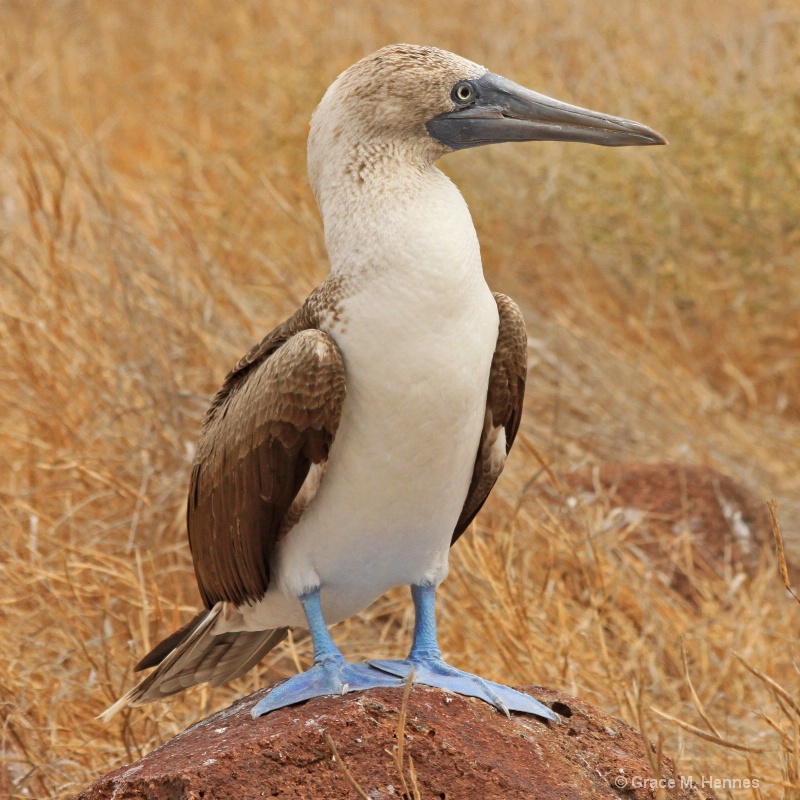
503	111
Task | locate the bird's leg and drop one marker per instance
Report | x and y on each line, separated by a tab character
425	659
329	674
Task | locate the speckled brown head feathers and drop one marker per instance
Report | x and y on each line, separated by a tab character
378	109
392	93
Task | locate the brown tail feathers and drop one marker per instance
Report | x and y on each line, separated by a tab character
194	654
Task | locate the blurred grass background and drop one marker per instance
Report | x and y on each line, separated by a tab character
155	221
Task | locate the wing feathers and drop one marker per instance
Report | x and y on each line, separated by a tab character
277	418
260	460
504	399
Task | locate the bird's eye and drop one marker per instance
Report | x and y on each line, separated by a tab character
463	93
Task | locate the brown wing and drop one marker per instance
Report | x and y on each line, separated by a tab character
276	415
503	408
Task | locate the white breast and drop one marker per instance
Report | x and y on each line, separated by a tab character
417	334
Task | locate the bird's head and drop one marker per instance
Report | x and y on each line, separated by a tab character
411	104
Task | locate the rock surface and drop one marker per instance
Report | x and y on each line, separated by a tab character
691	523
461	750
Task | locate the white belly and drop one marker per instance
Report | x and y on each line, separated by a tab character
401	463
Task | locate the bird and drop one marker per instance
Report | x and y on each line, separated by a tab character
353	446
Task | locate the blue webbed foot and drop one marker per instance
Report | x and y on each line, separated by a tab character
425	659
433	671
330	676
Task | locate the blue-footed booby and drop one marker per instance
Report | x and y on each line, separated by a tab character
348	450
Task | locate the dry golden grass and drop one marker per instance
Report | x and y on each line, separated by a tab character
155	221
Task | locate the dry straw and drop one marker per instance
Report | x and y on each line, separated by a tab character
155	221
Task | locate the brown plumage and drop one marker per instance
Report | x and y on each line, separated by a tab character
276	414
503	407
194	654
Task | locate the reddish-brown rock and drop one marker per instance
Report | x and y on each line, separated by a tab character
691	523
461	748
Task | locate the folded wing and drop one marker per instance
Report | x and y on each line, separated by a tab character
260	460
503	408
275	417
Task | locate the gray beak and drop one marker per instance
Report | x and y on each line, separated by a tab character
498	110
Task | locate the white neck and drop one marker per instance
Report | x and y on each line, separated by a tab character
405	223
